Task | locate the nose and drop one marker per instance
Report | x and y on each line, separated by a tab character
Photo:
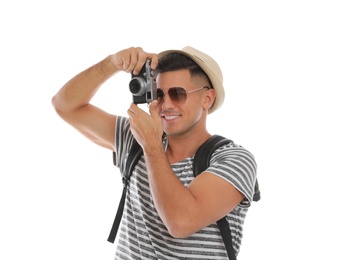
167	102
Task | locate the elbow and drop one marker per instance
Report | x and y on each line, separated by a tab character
56	104
180	228
59	107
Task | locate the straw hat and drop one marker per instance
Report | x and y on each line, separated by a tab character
210	67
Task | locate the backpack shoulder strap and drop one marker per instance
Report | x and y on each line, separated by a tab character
200	163
132	158
205	151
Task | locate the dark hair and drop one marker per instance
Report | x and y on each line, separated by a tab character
177	61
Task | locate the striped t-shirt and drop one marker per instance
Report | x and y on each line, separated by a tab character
142	234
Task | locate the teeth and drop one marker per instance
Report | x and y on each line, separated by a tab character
170	117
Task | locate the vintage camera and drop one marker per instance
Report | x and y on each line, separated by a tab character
143	86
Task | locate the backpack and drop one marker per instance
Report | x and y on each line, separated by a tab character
200	163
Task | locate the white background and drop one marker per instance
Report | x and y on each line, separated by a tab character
279	60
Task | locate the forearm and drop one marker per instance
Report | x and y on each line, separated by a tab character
78	91
174	202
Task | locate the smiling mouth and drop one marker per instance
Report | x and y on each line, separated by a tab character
169	117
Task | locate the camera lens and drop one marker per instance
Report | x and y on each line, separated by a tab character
136	86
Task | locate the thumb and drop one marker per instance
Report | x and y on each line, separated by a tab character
153	109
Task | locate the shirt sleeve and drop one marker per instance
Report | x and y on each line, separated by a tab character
123	139
236	165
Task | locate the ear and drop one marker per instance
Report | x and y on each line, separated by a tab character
209	98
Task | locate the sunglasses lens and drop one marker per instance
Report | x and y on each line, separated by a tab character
177	95
160	95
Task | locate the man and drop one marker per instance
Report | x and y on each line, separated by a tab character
168	214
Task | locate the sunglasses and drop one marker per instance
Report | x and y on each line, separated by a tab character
176	94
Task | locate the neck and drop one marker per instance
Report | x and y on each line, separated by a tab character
182	147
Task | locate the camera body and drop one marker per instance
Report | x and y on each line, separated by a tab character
143	86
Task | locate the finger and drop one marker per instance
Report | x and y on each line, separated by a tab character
132	109
126	63
133	58
153	109
138	60
142	57
154	60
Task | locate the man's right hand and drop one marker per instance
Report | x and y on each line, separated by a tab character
133	59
